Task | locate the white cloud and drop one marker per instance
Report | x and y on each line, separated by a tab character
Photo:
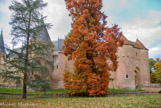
57	15
5	10
155	51
5	22
2	1
146	29
154	14
6	34
116	4
124	2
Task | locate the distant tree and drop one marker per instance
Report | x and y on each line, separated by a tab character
153	78
30	63
158	60
158	71
151	65
90	44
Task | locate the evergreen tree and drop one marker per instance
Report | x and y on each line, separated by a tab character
31	63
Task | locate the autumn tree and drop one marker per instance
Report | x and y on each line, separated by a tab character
31	62
153	78
90	44
158	59
154	65
158	71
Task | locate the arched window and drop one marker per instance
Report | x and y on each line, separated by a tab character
127	76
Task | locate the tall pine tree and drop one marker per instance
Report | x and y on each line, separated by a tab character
31	63
90	44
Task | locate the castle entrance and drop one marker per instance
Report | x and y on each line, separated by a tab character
137	71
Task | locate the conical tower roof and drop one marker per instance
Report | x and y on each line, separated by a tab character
2	48
43	36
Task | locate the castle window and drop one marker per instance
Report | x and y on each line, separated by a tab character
57	66
127	76
136	54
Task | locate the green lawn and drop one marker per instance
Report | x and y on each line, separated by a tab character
19	91
95	102
121	91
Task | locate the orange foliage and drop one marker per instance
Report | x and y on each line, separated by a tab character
90	44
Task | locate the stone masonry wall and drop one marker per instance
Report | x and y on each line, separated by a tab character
133	68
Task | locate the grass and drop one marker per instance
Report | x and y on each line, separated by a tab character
95	102
19	91
5	90
122	91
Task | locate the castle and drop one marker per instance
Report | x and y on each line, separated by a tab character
132	72
133	67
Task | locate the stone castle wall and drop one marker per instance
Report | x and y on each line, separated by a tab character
133	69
155	87
61	64
10	83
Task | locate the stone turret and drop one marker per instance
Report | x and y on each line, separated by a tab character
43	38
133	66
58	45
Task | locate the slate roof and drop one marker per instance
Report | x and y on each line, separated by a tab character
136	44
2	48
43	36
58	44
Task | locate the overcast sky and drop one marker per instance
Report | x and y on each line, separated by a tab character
137	19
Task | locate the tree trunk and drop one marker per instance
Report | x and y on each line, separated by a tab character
26	60
24	96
